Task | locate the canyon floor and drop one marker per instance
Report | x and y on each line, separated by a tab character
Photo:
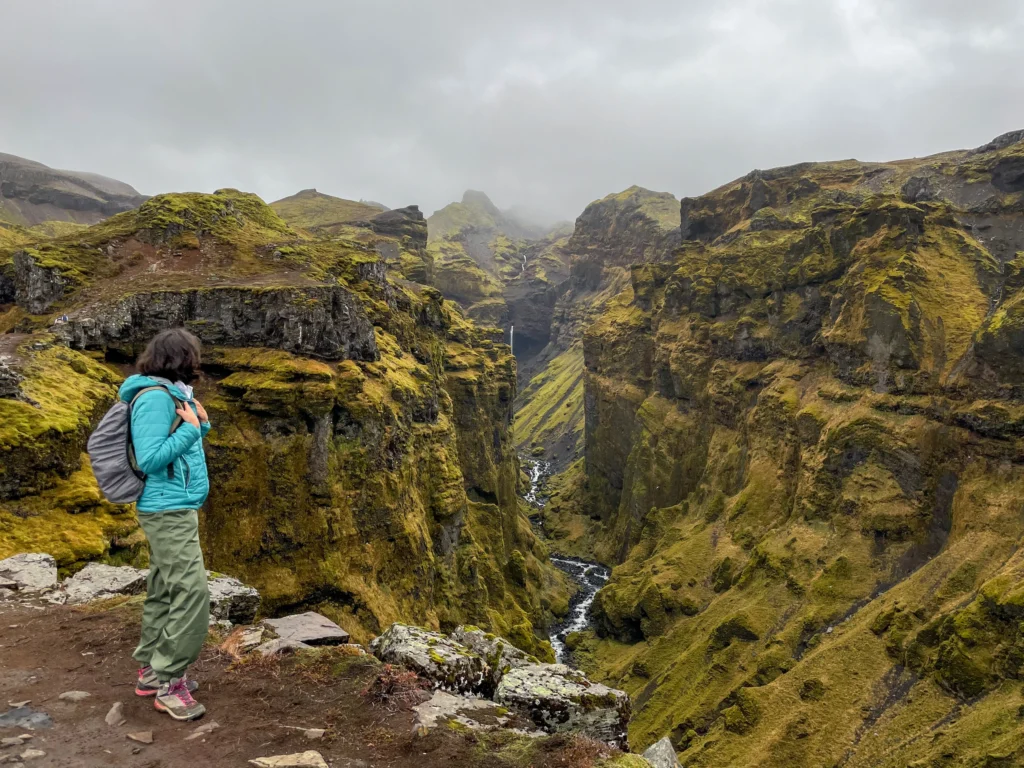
261	708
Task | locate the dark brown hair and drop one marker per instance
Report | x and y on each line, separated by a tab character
172	354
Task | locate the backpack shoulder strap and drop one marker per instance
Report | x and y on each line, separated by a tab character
175	422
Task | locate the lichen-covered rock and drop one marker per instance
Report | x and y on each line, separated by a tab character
98	581
661	754
231	600
33	572
558	698
500	655
446	663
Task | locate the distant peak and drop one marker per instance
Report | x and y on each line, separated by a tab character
479	199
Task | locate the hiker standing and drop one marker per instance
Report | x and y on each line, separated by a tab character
167	430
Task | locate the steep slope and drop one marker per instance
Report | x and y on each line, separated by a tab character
361	456
31	193
802	444
635	226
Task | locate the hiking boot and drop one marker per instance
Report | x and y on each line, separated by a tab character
148	683
176	700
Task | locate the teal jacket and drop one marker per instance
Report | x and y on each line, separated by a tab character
155	449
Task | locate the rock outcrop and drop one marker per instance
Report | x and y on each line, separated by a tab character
553	697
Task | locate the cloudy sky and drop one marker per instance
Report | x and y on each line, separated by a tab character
544	103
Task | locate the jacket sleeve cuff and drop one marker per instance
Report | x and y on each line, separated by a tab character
204	428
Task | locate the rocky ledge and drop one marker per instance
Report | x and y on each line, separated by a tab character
552	697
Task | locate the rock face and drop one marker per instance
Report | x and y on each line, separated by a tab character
450	665
559	699
327	322
36	286
28	573
803	450
31	193
308	628
98	581
231	600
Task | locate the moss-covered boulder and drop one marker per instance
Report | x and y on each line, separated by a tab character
446	663
557	698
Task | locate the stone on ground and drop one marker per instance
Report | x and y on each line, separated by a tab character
314	734
98	581
24	717
143	737
115	716
661	754
231	600
33	572
309	628
309	759
74	696
448	664
557	698
203	730
32	754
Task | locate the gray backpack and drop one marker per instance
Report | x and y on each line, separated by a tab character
113	454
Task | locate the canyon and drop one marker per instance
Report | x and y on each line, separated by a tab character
784	415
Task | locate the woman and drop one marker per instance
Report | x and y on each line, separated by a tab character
167	429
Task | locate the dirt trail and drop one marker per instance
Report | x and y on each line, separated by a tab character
44	653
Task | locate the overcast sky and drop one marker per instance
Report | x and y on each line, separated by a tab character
547	103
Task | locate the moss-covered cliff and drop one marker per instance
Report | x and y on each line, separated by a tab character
802	447
361	458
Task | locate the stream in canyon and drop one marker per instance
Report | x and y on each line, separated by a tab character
589	577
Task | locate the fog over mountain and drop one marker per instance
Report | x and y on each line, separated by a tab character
545	105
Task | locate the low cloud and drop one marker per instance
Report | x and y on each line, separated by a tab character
541	104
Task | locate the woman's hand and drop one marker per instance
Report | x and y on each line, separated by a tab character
187	415
201	411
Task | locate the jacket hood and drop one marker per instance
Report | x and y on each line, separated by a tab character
133	384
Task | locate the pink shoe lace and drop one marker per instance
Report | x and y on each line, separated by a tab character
180	689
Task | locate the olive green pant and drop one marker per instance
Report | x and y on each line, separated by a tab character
176	614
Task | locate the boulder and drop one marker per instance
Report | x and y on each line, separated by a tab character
34	572
446	663
558	698
231	600
308	628
661	754
98	581
500	655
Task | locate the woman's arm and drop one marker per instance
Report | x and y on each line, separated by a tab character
152	416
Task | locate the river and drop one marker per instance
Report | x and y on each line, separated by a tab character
590	577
